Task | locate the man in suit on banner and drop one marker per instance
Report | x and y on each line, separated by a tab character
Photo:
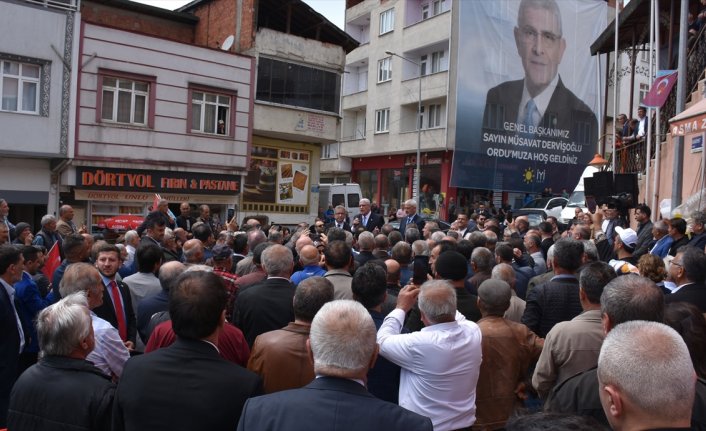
541	100
342	346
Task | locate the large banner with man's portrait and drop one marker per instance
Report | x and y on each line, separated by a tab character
527	93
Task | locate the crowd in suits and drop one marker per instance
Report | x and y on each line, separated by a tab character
238	324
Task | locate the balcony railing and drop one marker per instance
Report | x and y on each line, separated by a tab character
58	4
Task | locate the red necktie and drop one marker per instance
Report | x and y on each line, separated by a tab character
118	303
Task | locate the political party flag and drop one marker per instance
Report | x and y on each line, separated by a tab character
659	92
52	261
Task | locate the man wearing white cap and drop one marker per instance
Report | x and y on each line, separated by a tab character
624	244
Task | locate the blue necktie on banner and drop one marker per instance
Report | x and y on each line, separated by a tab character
529	119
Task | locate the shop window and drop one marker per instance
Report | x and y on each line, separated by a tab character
211	111
125	98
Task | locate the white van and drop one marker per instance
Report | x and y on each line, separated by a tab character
346	194
577	198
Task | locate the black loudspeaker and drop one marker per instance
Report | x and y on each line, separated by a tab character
626	184
601	184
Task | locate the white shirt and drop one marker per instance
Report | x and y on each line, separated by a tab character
110	354
130	255
440	367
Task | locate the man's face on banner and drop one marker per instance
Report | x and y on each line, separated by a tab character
540	45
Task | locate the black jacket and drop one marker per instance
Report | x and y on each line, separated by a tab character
551	303
60	393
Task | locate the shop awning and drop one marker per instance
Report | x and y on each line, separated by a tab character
691	120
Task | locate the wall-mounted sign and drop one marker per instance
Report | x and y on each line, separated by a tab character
278	176
697	143
135	180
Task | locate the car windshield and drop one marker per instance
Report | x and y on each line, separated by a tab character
537	203
577	199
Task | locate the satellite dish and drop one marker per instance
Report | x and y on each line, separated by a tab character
228	43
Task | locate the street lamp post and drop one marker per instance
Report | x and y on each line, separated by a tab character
417	170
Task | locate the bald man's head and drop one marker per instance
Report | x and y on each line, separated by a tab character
309	255
193	251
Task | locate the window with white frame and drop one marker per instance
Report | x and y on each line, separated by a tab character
434	116
382	120
387	21
420	120
425	11
19	86
210	113
644	89
437	61
423	64
385	69
125	101
437	6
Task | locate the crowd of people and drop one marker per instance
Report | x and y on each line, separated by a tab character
354	324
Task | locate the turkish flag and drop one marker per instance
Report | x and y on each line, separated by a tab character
52	261
661	88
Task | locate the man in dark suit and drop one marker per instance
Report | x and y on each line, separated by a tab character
688	270
185	221
367	219
339	219
117	303
11	334
267	306
186	385
540	106
342	345
410	208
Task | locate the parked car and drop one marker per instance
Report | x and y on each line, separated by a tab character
551	206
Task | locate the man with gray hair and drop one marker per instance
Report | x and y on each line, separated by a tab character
663	242
81	396
159	302
367	219
366	244
482	262
440	364
47	235
506	273
411	217
698	230
110	353
631	400
280	356
267	306
625	298
342	346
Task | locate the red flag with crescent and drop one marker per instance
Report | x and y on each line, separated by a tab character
661	88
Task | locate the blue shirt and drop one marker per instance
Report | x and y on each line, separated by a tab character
306	272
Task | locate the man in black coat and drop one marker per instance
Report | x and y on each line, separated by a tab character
339	219
367	219
11	334
63	390
412	218
688	270
558	299
185	221
267	306
186	385
342	345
